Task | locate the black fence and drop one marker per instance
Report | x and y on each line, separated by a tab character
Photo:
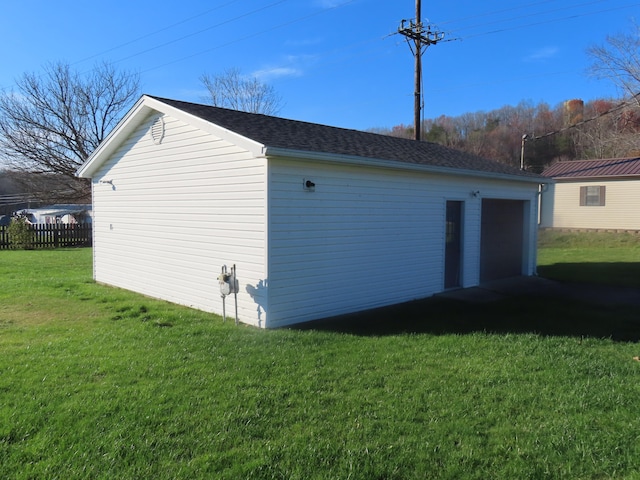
49	236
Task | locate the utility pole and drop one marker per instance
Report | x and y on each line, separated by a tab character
418	39
525	137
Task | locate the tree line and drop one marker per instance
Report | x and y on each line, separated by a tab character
605	128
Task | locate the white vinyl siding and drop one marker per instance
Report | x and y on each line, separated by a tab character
176	212
621	210
367	237
177	196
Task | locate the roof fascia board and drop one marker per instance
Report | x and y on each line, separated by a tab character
140	111
395	165
124	127
600	178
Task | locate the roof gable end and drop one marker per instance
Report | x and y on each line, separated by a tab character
144	107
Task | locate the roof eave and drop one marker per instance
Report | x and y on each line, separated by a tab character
392	164
599	178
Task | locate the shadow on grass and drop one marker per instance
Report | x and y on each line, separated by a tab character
609	273
547	316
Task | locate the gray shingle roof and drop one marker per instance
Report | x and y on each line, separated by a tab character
310	137
613	167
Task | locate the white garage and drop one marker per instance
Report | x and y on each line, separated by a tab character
318	221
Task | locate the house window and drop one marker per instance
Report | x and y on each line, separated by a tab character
592	196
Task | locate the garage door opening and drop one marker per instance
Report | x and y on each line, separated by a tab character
501	239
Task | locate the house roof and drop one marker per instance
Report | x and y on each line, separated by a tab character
280	137
576	169
62	208
311	137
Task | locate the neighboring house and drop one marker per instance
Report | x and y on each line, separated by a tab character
592	194
319	221
55	214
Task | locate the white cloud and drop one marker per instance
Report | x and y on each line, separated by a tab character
291	66
542	54
270	73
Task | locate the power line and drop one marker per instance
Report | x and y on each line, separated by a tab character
609	111
193	34
250	35
543	22
528	15
322	11
247	37
620	106
150	34
202	52
487	14
420	37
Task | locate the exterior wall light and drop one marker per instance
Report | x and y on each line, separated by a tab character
308	185
108	182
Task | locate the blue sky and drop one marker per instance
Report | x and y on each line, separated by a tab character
336	62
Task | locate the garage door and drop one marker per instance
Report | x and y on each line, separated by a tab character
502	239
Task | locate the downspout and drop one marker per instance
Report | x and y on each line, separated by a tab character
542	187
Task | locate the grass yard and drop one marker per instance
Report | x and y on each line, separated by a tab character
597	257
96	382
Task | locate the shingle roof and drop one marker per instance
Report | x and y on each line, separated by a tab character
613	167
310	137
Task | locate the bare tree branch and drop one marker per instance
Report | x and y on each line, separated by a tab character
233	90
618	60
52	122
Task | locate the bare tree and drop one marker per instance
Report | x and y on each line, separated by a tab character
611	132
53	121
248	94
619	61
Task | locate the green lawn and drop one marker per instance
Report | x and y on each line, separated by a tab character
597	257
96	382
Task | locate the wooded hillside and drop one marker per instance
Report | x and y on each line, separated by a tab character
571	130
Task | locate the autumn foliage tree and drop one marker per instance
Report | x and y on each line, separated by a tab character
571	130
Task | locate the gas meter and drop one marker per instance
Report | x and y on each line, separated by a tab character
228	285
228	281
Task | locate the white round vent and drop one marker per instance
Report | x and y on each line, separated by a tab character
157	131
